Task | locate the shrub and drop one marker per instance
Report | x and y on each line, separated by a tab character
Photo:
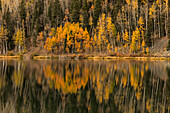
120	55
10	53
133	55
147	50
112	53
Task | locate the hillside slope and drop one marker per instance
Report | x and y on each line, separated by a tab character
160	46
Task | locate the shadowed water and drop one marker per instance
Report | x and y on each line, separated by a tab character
85	86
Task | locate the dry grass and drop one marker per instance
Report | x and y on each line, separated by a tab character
111	55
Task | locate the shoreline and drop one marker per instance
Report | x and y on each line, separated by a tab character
79	57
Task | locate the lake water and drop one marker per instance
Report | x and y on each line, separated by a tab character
85	86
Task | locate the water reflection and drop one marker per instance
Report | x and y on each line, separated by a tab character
94	86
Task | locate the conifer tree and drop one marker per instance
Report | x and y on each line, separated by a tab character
97	11
85	14
8	23
3	40
75	14
0	6
22	10
50	11
40	7
56	14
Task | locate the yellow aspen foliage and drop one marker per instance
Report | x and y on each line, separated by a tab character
128	2
52	32
152	11
3	39
91	20
133	44
109	48
48	44
3	33
40	40
147	50
118	38
138	46
69	38
143	45
19	38
158	2
138	38
141	24
143	1
134	4
81	19
116	49
126	38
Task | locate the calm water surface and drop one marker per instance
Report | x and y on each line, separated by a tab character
86	86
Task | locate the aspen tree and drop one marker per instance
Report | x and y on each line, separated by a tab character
133	44
167	16
152	13
40	40
129	17
159	4
19	40
3	40
126	38
118	39
143	45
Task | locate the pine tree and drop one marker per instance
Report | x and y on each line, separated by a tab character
3	40
50	11
85	14
97	11
75	13
0	6
22	10
9	24
56	14
40	7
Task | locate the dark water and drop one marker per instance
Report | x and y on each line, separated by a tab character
86	86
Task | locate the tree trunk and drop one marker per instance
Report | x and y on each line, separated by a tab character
6	47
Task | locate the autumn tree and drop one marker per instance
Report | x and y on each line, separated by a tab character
3	40
111	29
152	14
40	40
71	38
19	38
135	45
126	38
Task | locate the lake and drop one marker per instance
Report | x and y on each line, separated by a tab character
84	86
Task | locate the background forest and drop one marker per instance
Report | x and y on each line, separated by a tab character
82	26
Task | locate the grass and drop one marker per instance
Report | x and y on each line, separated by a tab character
91	56
11	57
45	57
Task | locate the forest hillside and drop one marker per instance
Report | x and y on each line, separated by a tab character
84	26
